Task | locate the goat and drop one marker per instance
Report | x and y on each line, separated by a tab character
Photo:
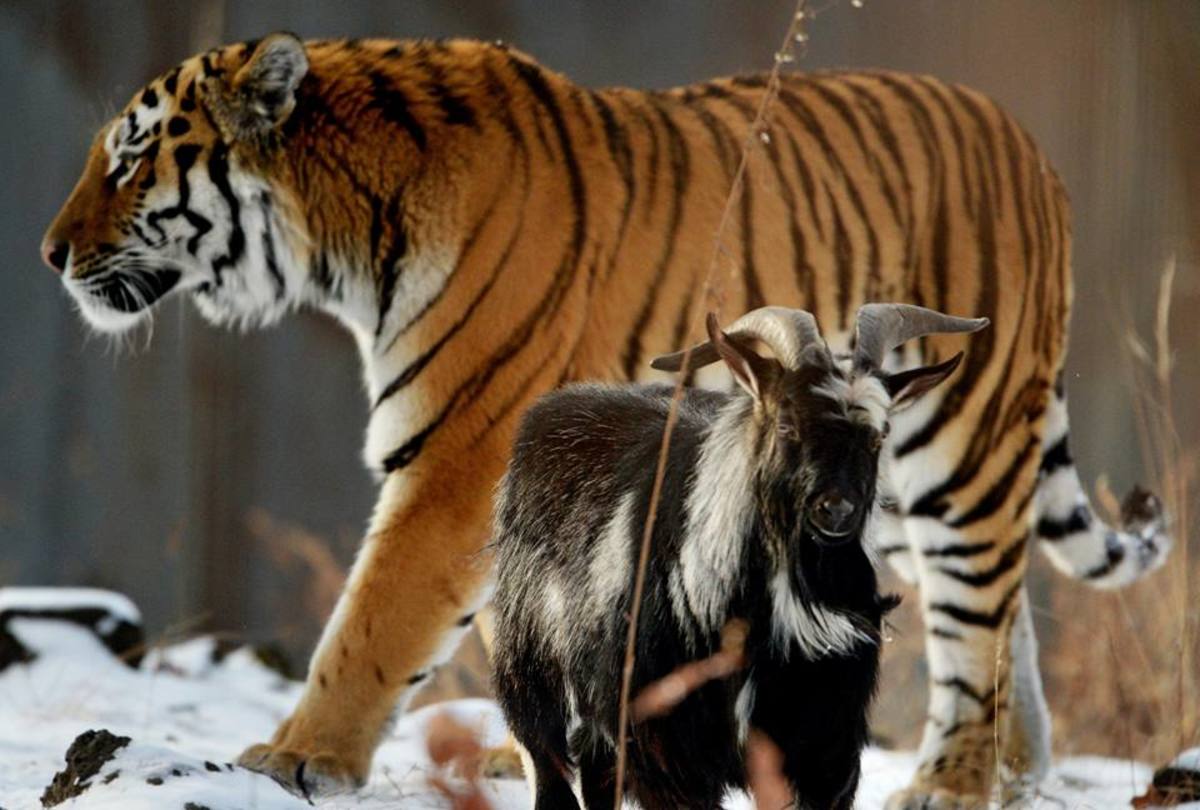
764	504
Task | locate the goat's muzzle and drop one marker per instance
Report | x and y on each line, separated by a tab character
834	517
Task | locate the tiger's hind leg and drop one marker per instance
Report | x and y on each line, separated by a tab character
970	547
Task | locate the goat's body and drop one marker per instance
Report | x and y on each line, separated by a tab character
569	522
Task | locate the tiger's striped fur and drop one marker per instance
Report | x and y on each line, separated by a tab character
488	230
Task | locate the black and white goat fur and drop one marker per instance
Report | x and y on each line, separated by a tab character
765	501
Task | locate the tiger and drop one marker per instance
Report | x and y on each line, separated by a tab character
488	230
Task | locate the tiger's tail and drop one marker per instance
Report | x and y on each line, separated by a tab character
1075	539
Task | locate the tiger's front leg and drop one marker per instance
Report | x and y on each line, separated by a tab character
419	577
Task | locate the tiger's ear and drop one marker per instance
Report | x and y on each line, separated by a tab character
262	94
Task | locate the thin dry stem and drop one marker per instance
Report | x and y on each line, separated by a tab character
454	747
665	694
712	294
764	773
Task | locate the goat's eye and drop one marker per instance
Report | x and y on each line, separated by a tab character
789	432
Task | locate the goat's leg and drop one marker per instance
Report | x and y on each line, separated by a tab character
819	728
502	761
405	606
597	777
548	785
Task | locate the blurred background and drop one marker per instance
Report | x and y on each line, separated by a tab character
215	478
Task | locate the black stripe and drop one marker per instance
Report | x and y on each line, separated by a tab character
877	115
966	187
498	91
170	80
535	79
960	549
456	110
843	259
185	158
981	579
394	107
268	243
842	108
218	173
806	274
470	390
680	162
1115	554
985	130
410	373
1057	457
617	139
945	633
389	263
962	686
997	495
729	152
978	618
784	184
1080	520
1018	193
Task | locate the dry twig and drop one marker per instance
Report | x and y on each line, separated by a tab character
665	694
455	748
794	36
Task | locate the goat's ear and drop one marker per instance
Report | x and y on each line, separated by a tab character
262	94
906	387
748	369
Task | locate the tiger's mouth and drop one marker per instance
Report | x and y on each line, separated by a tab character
115	300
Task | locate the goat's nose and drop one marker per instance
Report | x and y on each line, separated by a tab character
55	254
833	515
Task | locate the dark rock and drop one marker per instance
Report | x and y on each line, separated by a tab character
194	806
86	756
1171	786
154	780
122	638
12	651
211	766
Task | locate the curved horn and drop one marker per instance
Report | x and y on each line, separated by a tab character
785	331
879	328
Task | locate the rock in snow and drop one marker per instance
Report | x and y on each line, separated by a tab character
162	735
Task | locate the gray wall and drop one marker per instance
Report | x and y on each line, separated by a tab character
216	477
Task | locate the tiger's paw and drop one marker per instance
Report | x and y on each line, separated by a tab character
934	798
502	762
305	773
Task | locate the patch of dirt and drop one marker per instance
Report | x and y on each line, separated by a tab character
86	756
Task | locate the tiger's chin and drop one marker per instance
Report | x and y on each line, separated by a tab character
112	308
108	321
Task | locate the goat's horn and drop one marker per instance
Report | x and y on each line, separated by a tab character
785	331
879	328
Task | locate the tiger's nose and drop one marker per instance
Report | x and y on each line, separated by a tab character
55	254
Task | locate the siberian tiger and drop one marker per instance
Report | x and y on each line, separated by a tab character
488	230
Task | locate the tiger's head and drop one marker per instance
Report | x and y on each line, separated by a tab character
180	194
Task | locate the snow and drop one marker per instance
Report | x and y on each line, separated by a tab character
188	716
116	605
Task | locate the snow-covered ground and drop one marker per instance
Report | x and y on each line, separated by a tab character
188	715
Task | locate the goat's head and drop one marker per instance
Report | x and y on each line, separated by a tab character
821	421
